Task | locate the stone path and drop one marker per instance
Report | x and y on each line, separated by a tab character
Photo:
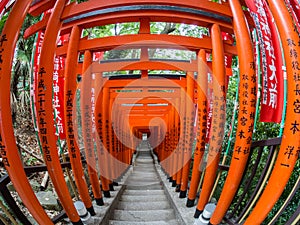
144	200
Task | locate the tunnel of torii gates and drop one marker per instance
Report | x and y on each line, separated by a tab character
172	110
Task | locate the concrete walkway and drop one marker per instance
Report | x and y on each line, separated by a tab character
143	200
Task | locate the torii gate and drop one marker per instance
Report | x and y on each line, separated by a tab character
72	18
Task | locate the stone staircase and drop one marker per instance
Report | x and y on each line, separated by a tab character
143	200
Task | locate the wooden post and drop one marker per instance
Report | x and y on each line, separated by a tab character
102	154
87	125
45	112
69	98
201	86
244	131
188	136
8	148
218	119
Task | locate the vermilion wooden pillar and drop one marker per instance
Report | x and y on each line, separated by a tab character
111	145
87	125
218	119
167	148
201	86
101	129
182	139
45	112
8	148
175	142
116	132
70	87
189	137
172	149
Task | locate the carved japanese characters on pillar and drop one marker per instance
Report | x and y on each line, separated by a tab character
2	145
42	114
69	122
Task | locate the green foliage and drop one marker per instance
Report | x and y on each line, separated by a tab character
30	161
191	30
3	21
115	30
22	68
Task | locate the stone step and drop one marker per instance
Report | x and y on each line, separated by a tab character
143	164
144	216
144	160
144	192
138	182
143	174
145	198
148	175
96	220
139	165
142	178
143	167
143	205
170	222
142	184
142	181
144	170
145	187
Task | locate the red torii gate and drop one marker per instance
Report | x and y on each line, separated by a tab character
72	18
